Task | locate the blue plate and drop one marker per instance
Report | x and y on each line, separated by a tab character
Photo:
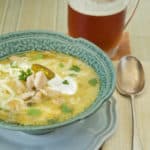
88	134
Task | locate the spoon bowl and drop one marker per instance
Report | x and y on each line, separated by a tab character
130	82
130	76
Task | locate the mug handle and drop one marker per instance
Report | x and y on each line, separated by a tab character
132	12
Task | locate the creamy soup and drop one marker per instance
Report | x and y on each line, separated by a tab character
45	87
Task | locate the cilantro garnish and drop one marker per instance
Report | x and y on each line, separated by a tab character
93	82
65	82
34	112
75	68
38	56
61	65
65	109
73	75
24	74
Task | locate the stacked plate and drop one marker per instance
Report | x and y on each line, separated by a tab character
98	121
88	134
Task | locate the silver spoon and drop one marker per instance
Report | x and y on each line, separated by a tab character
130	82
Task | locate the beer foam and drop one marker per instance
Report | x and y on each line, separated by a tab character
98	7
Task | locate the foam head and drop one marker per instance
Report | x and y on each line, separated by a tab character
98	7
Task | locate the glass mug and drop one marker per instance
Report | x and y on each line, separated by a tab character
100	21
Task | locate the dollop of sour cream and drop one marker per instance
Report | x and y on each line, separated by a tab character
65	85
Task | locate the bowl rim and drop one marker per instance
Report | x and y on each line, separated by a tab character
78	41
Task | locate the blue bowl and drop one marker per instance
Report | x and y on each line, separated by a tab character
19	42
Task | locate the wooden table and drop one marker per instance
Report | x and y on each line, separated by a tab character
51	15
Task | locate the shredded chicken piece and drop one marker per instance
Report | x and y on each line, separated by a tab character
28	95
37	98
37	81
30	82
44	92
40	80
37	86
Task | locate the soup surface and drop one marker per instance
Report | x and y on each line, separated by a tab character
45	87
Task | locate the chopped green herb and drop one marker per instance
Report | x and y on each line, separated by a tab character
24	74
75	68
61	65
34	112
93	82
65	109
52	121
13	64
38	56
65	82
73	75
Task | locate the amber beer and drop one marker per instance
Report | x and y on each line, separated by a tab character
103	24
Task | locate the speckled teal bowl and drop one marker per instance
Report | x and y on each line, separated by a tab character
42	40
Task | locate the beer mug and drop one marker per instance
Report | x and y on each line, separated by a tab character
100	21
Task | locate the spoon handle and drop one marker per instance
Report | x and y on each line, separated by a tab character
136	142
